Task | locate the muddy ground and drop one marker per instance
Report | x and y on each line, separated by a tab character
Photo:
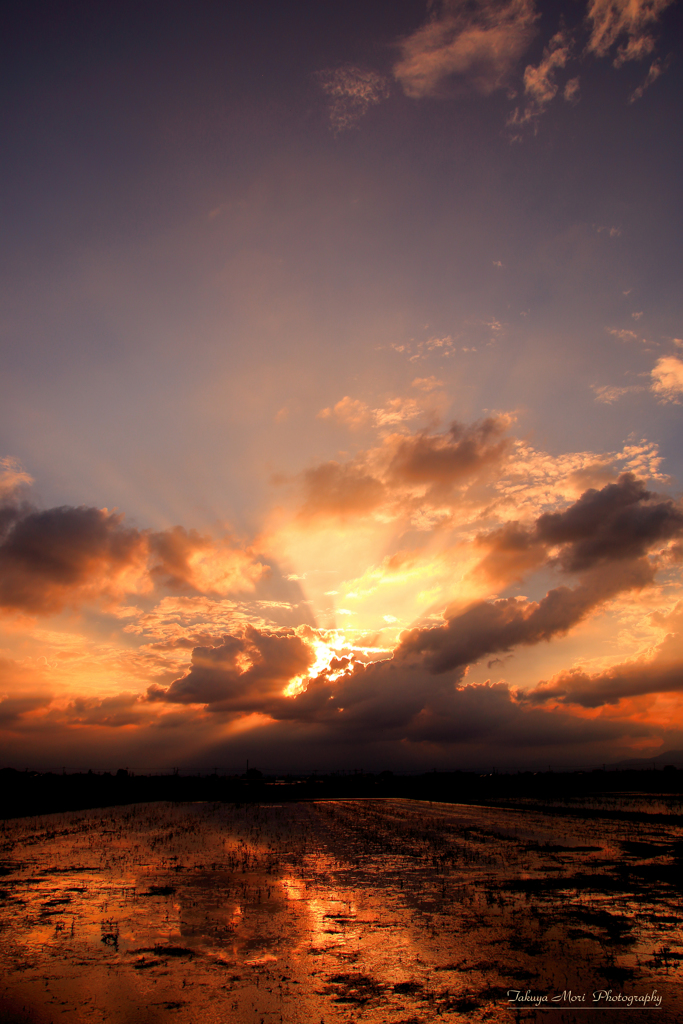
365	911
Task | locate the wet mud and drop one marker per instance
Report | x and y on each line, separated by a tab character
339	911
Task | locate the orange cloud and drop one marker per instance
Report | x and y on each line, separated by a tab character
539	82
12	479
339	491
405	472
350	411
480	44
351	92
410	541
667	378
657	672
397	529
66	557
605	536
628	20
356	414
186	560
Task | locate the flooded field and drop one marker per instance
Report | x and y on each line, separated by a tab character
339	911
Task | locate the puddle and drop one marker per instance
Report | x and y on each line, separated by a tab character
377	911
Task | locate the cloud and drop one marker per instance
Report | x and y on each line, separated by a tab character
540	86
572	90
657	68
512	552
387	714
394	705
244	674
404	472
444	347
426	383
442	461
351	92
12	709
429	515
626	20
357	415
622	334
398	410
604	536
187	560
479	43
530	479
657	672
341	491
634	679
13	478
69	556
62	556
667	379
493	627
608	393
351	412
123	709
489	713
398	528
622	521
446	517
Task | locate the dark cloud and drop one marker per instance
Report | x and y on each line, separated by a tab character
489	713
393	711
491	627
121	710
621	521
48	558
609	687
605	536
171	551
244	674
418	698
660	672
13	708
443	460
513	551
63	557
395	704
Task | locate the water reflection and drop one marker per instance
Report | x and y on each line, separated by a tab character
370	911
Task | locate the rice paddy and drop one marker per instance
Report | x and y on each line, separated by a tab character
361	911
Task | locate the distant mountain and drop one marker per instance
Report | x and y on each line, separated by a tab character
674	757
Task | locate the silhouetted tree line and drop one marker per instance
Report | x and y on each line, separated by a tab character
24	793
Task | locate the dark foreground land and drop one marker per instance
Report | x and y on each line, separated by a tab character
345	911
30	793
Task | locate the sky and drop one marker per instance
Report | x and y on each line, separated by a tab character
342	371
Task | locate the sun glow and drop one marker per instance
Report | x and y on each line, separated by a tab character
326	651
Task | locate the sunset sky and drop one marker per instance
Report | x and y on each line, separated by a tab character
342	381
